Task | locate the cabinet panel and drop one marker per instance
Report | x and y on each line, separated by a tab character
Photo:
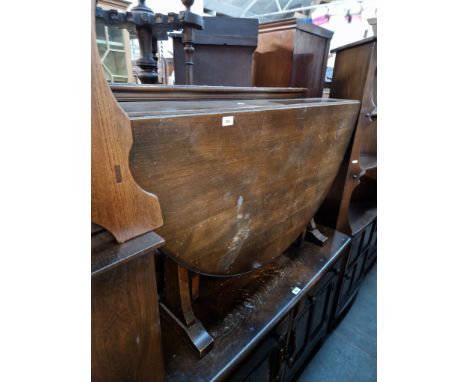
367	234
373	239
310	325
266	363
351	281
125	324
281	355
355	247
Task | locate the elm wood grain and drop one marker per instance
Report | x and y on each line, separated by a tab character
117	202
292	53
134	93
354	77
126	335
242	312
235	197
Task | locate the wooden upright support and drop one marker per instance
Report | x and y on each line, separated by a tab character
117	202
177	307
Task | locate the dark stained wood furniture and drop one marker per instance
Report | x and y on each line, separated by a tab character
351	205
211	163
126	335
292	52
117	202
223	52
266	323
133	93
360	259
239	174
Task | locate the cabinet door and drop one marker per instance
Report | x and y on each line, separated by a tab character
355	247
373	239
266	363
321	304
351	281
310	324
367	235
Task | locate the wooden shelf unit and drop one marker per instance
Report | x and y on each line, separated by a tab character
351	204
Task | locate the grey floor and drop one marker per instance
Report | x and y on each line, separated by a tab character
349	354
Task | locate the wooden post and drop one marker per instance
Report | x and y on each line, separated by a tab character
177	307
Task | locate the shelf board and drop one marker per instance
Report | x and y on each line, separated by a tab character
360	215
368	161
368	164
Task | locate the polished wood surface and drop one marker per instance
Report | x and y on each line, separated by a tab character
351	205
117	202
262	329
292	53
355	76
126	335
131	92
235	197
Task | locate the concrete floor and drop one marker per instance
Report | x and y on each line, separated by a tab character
349	354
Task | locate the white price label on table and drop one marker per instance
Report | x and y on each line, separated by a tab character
296	290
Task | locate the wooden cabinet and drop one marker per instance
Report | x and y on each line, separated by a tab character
310	323
371	254
292	52
266	323
126	335
351	278
301	332
351	204
267	361
223	52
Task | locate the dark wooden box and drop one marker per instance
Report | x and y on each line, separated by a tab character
223	52
292	52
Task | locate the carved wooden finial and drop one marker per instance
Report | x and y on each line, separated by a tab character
188	3
187	40
143	17
142	6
